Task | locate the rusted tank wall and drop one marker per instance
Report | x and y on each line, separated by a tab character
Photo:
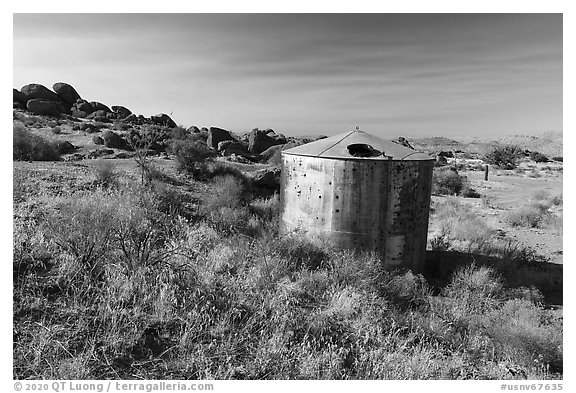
379	205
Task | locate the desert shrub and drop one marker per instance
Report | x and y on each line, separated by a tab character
203	300
469	192
266	208
364	270
447	182
558	159
191	157
299	251
406	290
179	133
528	333
265	218
56	130
19	188
531	215
493	323
534	173
439	243
126	226
462	227
201	136
473	279
276	158
557	200
228	221
509	250
540	195
152	135
472	291
488	201
105	173
226	191
142	231
538	157
32	250
84	226
220	169
226	206
30	147
171	200
555	223
505	157
119	126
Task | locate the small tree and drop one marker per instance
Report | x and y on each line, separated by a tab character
141	144
505	157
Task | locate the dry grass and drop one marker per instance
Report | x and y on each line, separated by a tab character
461	226
542	211
112	283
105	174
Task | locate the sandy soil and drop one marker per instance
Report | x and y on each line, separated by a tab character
505	191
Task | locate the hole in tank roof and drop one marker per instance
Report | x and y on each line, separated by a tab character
362	150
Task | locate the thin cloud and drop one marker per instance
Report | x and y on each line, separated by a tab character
412	72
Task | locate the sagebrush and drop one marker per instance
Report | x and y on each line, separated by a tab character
27	146
113	283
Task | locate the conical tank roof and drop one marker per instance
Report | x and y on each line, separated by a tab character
357	145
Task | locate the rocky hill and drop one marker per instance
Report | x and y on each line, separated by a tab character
71	118
549	143
116	127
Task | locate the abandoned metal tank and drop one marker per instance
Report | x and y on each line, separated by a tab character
359	192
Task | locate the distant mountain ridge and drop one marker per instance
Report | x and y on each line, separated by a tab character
549	143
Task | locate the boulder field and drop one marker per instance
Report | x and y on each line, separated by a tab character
64	99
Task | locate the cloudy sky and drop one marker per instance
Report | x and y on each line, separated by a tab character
396	74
